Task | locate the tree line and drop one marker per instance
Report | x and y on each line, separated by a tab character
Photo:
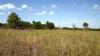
15	22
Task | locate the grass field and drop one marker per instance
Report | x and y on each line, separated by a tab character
49	43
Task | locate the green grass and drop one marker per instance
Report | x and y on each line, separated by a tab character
49	43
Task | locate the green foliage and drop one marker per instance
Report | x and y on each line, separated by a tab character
85	25
37	25
13	20
43	26
24	24
0	24
49	25
67	28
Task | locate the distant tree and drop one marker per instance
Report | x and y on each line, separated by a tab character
37	25
0	24
3	25
42	26
49	25
24	24
33	24
67	28
52	26
13	20
85	25
58	28
64	27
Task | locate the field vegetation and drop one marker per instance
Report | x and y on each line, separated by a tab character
49	42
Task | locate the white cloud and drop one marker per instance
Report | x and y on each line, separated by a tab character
96	6
25	6
51	13
53	6
7	6
45	12
41	13
2	13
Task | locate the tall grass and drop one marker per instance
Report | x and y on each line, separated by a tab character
49	43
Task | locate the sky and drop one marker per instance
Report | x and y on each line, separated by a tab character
63	13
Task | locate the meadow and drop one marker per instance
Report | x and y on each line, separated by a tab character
49	43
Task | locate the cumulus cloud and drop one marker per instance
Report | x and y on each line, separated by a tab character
25	6
51	13
45	12
7	6
53	6
96	8
41	13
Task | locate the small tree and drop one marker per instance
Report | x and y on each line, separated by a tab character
24	24
13	20
0	24
37	25
42	26
85	25
49	25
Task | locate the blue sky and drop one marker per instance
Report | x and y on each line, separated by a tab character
61	12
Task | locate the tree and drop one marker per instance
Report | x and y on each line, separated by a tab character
49	25
33	24
37	25
24	24
13	20
64	27
85	25
42	26
0	24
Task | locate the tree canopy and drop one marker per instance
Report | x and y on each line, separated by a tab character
49	25
85	25
13	20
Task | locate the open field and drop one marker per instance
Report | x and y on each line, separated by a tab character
49	43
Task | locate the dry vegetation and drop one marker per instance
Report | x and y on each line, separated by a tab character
49	43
